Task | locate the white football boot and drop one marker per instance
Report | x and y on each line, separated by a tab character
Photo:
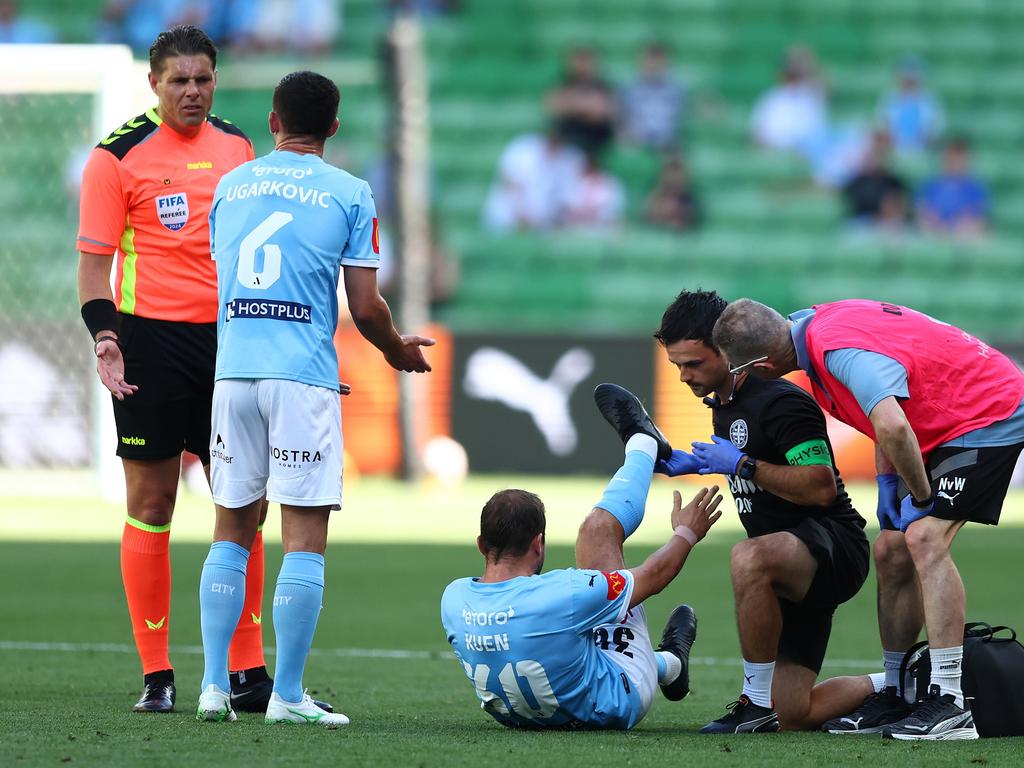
215	706
305	711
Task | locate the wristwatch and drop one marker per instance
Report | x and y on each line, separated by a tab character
747	468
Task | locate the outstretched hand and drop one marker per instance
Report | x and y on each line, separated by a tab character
408	356
679	463
700	514
110	367
719	457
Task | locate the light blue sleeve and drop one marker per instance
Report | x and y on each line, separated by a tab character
871	377
213	218
362	248
598	597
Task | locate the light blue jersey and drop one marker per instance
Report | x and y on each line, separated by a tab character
281	228
529	647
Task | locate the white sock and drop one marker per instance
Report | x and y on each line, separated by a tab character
757	682
891	661
643	443
672	667
946	663
877	681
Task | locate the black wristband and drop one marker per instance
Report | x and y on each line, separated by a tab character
923	504
105	337
100	315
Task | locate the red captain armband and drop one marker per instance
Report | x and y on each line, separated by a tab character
616	583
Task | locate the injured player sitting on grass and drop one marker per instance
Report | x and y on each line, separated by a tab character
570	648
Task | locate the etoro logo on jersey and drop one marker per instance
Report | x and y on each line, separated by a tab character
172	210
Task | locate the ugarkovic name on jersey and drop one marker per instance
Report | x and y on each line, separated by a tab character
285	189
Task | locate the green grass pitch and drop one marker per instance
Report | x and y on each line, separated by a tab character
380	654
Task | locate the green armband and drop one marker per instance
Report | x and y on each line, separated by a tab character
808	453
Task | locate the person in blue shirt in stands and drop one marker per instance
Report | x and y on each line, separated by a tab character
955	202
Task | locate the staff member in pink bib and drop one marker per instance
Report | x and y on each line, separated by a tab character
945	412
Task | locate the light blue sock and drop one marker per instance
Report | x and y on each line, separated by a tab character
297	602
662	665
221	596
626	494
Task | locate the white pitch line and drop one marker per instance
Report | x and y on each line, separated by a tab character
357	653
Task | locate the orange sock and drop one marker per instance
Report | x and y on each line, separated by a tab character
146	571
246	650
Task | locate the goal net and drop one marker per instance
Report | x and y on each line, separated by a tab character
56	102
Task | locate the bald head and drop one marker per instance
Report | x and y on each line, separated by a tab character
748	330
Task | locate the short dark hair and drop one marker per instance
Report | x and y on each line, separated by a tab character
307	103
509	521
182	40
691	316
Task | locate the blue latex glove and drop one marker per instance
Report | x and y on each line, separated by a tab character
719	457
909	513
679	463
888	510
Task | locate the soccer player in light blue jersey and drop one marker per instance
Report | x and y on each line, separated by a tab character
570	648
282	229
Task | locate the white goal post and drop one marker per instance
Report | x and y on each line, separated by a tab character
120	90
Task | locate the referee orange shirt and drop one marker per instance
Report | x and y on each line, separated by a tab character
146	194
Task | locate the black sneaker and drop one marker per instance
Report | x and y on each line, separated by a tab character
624	411
878	710
936	718
251	689
677	639
745	717
158	693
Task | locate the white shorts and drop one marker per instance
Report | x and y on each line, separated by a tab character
278	437
641	667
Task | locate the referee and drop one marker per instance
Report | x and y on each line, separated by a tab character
806	552
146	194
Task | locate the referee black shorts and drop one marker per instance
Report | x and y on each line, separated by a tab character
842	552
172	364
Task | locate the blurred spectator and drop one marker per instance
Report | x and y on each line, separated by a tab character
955	201
795	112
233	23
583	106
912	114
653	107
15	28
595	201
876	197
138	22
673	202
308	27
427	8
534	174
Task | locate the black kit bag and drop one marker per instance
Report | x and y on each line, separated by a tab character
993	677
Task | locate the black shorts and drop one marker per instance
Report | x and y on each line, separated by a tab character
173	365
970	483
842	552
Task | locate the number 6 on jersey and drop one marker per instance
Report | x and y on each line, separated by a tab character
271	272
